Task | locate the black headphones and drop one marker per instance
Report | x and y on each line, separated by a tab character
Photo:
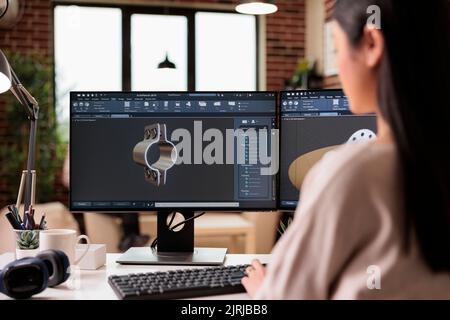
26	277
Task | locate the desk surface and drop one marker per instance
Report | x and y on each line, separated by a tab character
92	284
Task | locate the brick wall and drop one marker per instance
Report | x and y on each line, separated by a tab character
33	33
285	44
332	81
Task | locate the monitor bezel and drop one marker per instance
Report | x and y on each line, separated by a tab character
177	209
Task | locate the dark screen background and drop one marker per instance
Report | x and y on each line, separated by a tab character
102	166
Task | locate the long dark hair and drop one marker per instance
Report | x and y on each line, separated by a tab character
414	98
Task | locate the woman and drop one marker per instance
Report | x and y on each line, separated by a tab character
374	219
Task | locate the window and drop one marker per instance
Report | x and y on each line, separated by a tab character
113	48
225	58
152	38
87	53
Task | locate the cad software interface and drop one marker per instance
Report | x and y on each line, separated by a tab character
144	151
313	123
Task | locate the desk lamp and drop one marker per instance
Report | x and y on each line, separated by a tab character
10	81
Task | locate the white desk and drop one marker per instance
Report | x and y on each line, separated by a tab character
93	285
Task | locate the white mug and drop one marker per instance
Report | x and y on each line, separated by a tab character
64	240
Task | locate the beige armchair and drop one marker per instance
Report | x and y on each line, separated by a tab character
57	216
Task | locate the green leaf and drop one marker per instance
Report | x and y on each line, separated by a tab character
28	239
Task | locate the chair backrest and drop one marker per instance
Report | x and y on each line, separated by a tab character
7	237
104	228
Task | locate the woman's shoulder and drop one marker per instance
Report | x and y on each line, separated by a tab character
355	161
353	168
349	185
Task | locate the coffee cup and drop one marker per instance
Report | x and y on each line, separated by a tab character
64	240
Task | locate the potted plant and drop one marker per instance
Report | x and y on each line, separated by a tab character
305	76
27	243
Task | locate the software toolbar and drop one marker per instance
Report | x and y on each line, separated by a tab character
117	104
314	104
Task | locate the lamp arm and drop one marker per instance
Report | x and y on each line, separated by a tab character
32	108
24	97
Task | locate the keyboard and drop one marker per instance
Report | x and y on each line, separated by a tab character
177	284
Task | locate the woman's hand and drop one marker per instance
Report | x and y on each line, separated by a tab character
255	276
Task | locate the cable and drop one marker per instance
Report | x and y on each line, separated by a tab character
155	242
6	9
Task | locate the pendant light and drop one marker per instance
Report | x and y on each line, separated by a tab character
167	64
256	7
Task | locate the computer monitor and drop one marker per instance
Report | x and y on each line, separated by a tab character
314	122
172	151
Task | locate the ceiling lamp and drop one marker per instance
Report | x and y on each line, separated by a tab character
256	7
167	64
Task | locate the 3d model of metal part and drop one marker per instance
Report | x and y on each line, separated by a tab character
155	173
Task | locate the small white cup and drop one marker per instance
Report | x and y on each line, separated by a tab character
64	240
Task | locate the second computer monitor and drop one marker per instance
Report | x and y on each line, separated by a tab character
135	151
314	122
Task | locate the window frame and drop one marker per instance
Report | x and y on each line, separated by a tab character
128	10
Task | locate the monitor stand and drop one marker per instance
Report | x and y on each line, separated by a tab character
174	247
